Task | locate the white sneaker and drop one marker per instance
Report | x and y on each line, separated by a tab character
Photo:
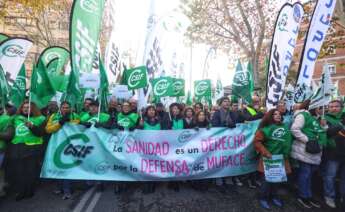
330	202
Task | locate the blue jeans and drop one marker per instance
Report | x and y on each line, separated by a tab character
268	190
329	174
305	173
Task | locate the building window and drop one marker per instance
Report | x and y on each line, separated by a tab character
331	49
332	68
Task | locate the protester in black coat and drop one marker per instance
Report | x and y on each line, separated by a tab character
188	120
224	117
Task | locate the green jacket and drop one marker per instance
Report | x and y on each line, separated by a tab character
278	139
177	124
127	121
103	118
23	134
5	122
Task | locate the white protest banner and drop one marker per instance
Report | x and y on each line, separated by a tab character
282	48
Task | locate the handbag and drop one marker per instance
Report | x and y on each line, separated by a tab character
313	147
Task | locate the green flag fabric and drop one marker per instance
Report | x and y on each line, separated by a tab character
162	87
19	88
251	77
57	77
178	87
85	27
104	87
41	89
4	88
135	78
202	88
189	100
241	85
55	52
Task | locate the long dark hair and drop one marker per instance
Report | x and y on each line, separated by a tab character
268	118
147	110
34	111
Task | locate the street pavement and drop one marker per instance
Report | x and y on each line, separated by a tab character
235	199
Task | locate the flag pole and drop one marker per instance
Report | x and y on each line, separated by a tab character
29	104
100	103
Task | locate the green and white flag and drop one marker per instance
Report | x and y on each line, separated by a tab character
41	89
202	88
19	88
135	78
4	88
57	77
162	87
242	85
85	30
178	87
55	52
104	87
13	52
324	94
219	93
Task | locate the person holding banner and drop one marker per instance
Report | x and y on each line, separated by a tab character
273	137
201	121
223	118
307	150
176	118
94	116
25	149
150	121
55	122
188	120
127	119
6	134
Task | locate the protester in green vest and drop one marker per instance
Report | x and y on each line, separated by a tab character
127	119
6	134
333	158
55	123
306	128
86	105
25	149
93	116
176	121
273	137
150	120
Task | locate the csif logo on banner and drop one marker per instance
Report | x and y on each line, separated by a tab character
20	83
178	86
161	87
76	152
50	56
201	88
90	6
241	78
135	77
13	50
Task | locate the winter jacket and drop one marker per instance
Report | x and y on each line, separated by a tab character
336	137
56	121
218	119
299	144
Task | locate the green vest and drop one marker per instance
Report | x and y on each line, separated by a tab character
177	124
5	122
23	134
127	121
147	126
333	119
103	117
313	130
278	139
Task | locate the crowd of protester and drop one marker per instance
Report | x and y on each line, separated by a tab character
312	143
